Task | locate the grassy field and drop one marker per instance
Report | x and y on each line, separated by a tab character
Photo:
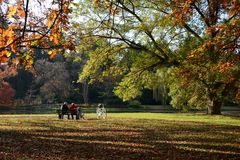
140	136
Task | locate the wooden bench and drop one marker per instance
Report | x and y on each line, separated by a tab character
68	113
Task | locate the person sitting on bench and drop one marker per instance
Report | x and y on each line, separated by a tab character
64	109
73	110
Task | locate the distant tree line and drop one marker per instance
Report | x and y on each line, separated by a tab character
56	80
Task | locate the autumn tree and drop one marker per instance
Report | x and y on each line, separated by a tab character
213	63
29	24
197	39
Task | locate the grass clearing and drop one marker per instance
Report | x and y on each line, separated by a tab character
120	136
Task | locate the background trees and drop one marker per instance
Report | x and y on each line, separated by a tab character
198	39
130	42
53	81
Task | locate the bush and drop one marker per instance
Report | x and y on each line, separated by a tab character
134	104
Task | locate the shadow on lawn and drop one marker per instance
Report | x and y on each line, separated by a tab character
106	140
69	143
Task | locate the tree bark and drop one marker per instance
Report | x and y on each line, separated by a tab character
215	108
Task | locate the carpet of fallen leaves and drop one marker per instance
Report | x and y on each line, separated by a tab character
46	137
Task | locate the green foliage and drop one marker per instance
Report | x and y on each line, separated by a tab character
131	41
188	96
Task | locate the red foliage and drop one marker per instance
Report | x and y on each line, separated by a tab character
7	71
6	93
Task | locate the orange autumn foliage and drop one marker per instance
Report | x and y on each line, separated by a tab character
26	25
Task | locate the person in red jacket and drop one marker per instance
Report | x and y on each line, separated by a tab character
73	110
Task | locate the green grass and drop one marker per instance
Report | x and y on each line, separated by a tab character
121	136
215	119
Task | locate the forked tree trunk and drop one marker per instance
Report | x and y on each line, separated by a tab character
215	108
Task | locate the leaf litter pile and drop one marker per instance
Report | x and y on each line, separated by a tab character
46	137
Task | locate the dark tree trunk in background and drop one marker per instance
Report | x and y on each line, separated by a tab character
215	108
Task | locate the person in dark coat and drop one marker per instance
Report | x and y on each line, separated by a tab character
64	109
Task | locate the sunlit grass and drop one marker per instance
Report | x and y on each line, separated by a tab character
211	119
120	136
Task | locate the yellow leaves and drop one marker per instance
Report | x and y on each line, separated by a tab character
51	38
50	18
27	60
53	52
52	15
192	54
66	9
11	11
50	52
49	23
8	54
195	54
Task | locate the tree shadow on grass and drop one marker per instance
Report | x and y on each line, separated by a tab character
119	139
202	141
76	143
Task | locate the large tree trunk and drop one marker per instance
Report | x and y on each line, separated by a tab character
215	108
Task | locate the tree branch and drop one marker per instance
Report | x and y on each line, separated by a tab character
191	31
200	13
26	16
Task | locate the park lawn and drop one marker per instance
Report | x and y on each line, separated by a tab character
124	136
